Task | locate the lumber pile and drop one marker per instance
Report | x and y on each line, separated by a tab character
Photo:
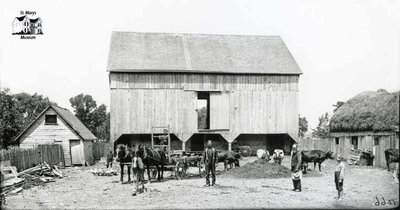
360	157
102	172
15	182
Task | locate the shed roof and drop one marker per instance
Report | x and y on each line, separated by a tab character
368	111
199	53
70	119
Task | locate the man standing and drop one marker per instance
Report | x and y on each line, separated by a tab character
210	156
110	159
296	168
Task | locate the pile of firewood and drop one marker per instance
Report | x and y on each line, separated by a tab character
34	176
102	172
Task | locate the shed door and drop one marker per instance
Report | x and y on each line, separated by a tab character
76	152
219	110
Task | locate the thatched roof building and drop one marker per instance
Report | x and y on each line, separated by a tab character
368	121
368	111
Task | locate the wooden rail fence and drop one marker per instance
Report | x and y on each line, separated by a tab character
26	158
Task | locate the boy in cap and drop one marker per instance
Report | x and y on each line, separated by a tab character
339	176
210	158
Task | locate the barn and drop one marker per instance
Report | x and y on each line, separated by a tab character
56	125
232	89
369	120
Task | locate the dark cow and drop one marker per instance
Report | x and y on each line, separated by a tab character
229	157
392	156
316	156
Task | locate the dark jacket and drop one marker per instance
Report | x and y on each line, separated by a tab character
296	161
210	155
110	157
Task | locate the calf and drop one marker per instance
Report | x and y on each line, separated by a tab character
278	156
229	157
392	156
316	156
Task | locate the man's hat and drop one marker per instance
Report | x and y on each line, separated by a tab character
339	157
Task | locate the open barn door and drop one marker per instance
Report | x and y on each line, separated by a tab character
219	110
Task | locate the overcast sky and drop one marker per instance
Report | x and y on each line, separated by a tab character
342	47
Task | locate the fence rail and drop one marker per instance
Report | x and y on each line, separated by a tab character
26	158
100	149
315	144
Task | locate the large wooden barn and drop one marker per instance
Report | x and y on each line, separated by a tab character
57	125
370	121
248	85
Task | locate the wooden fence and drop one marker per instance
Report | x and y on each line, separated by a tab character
315	144
26	158
101	148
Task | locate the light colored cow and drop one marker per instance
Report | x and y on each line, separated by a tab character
278	156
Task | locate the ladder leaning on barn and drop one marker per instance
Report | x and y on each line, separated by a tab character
165	135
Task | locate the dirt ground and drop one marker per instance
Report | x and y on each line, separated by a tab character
81	189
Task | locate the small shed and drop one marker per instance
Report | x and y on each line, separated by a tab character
368	121
56	125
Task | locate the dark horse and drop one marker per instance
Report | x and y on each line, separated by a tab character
316	156
124	157
138	169
392	156
152	157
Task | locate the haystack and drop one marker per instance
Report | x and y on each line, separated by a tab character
259	169
368	111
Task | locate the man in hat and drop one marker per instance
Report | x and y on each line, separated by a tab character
296	168
210	158
339	176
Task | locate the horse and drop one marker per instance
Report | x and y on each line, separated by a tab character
138	169
391	156
124	157
316	156
152	157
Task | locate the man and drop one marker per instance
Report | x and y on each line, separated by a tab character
210	158
110	158
296	168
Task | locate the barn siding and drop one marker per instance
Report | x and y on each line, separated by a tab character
366	141
258	104
39	133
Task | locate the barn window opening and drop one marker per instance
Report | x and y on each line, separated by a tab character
50	119
376	141
337	140
203	110
354	142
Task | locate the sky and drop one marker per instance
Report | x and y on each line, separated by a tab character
343	47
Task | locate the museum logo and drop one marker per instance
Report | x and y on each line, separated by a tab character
27	25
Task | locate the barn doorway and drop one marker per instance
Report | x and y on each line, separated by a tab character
203	110
198	142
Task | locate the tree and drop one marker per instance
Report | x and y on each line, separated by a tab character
30	106
10	118
303	126
322	129
93	117
338	105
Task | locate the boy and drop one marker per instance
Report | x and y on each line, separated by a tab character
339	176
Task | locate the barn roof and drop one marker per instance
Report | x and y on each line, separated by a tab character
70	119
368	111
199	53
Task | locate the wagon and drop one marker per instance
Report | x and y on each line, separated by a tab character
177	160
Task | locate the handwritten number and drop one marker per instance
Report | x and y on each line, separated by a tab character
384	202
377	201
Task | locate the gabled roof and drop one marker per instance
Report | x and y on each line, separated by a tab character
71	120
34	20
199	53
21	18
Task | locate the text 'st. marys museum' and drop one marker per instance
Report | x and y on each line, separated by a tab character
248	84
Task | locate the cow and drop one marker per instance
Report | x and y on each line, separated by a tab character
316	156
263	154
392	156
229	157
278	156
